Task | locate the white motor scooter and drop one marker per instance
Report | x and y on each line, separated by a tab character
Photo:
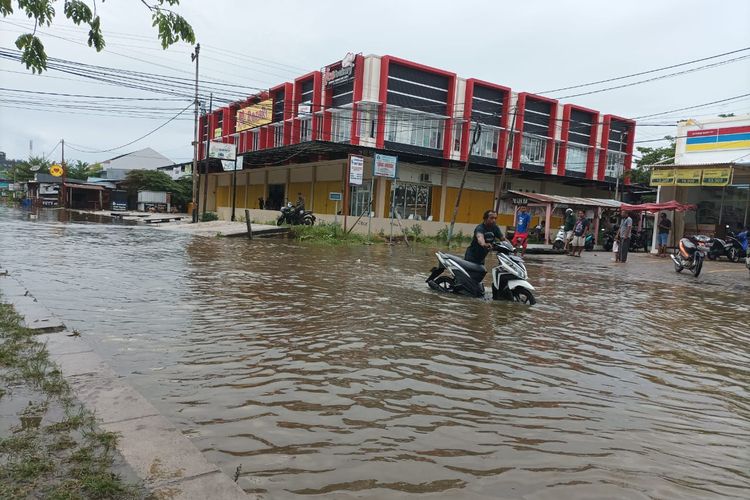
465	278
559	242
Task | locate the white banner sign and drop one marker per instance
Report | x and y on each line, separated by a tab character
222	151
356	170
228	165
385	166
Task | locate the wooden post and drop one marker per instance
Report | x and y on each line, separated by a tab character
249	224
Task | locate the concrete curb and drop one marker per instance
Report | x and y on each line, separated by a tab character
170	466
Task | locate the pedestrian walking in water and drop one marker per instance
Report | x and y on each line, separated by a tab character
626	228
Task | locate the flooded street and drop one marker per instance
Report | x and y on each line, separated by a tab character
326	370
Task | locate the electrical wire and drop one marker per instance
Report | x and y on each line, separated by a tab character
656	70
139	138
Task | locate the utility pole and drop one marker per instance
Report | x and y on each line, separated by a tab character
208	141
65	171
194	57
505	163
474	140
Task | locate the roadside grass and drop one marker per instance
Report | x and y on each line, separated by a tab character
55	450
333	234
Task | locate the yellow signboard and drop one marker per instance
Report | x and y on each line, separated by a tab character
255	115
56	170
688	177
217	133
662	177
717	176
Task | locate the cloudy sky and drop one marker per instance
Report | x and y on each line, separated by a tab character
533	46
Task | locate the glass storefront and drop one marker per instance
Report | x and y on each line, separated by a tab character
413	201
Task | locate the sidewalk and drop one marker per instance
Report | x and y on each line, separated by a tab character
167	463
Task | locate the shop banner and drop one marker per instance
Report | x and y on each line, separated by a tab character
716	176
222	151
688	177
229	165
662	177
255	115
356	170
384	166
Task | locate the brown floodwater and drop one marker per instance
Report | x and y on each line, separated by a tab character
324	370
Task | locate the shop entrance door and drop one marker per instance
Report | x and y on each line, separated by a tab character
275	196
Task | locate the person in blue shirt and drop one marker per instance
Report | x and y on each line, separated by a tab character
521	236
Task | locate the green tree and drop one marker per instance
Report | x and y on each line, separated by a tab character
171	26
148	180
82	170
24	171
154	180
641	174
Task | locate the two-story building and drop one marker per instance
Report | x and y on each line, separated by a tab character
296	138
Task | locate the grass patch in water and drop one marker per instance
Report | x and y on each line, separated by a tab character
66	458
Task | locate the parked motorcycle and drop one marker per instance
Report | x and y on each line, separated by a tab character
559	241
716	247
294	215
735	248
465	278
689	255
638	241
588	243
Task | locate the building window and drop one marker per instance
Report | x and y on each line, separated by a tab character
319	127
458	131
278	136
414	128
305	126
576	158
341	126
367	121
615	164
488	142
256	141
533	149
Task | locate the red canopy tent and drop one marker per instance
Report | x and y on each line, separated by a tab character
657	207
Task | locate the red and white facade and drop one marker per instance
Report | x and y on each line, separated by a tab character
390	104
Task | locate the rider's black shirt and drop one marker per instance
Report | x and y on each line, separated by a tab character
477	253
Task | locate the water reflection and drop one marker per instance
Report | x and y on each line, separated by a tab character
332	370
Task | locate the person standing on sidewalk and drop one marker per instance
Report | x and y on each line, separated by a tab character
665	225
580	229
626	228
521	235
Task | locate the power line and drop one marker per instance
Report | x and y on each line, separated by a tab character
656	70
661	77
141	137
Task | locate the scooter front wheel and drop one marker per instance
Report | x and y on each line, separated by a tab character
523	296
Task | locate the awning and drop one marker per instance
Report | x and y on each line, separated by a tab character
657	207
565	200
84	186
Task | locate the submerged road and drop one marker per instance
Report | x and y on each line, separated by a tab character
326	370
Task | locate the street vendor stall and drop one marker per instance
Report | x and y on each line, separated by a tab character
653	209
596	207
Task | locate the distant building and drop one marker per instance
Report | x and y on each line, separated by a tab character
177	170
711	170
144	159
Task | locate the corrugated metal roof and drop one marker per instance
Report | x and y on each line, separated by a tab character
568	200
